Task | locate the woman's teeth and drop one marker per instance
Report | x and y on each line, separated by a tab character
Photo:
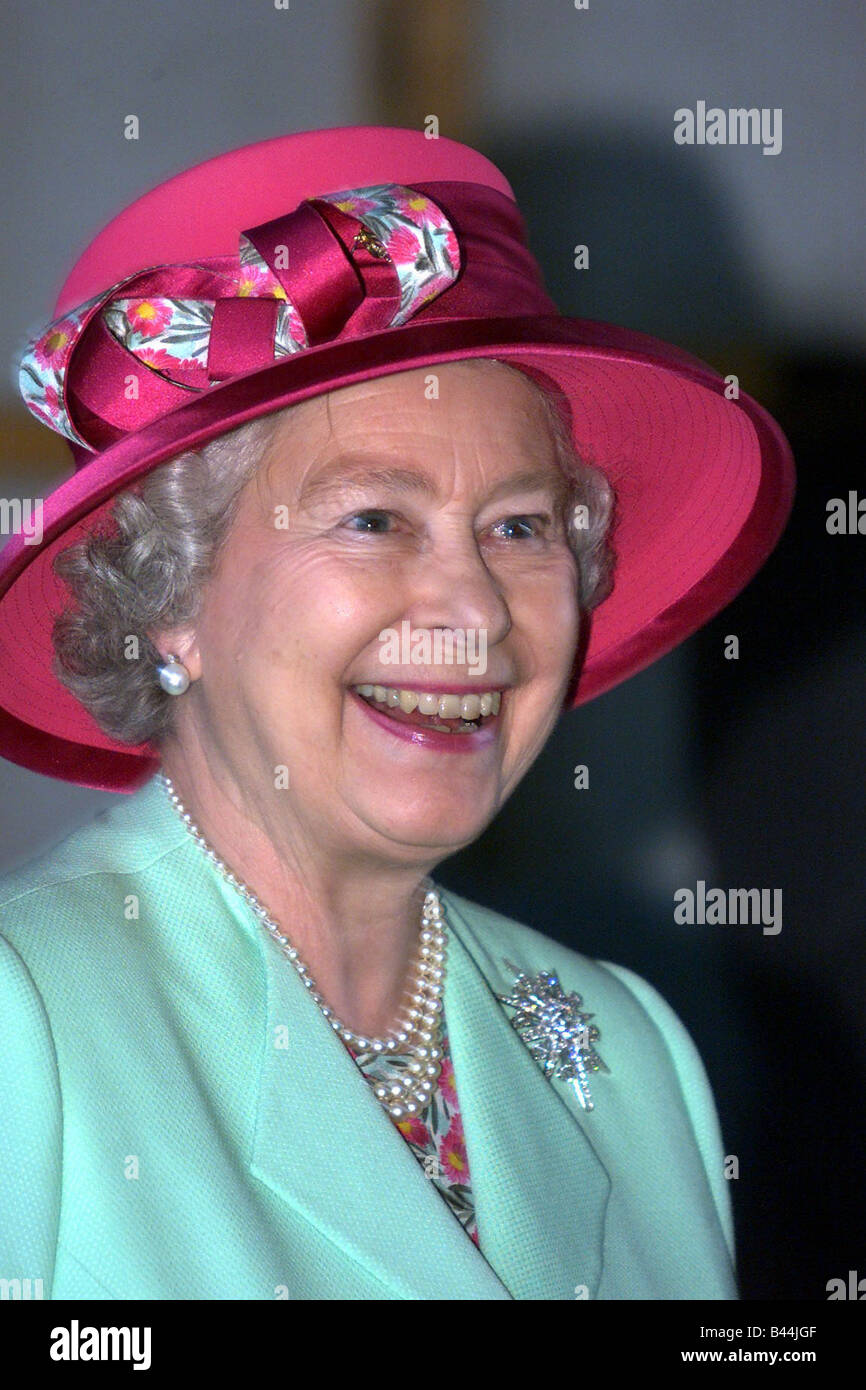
468	708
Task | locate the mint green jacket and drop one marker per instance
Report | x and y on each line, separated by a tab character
178	1121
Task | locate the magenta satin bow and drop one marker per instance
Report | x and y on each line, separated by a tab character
342	265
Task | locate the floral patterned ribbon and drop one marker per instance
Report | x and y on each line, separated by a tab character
340	265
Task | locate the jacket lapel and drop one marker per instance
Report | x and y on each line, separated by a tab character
541	1190
328	1149
325	1145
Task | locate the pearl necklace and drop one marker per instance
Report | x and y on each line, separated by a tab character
410	1091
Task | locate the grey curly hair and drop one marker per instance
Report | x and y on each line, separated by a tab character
150	572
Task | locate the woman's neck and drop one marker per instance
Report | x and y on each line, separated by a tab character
354	919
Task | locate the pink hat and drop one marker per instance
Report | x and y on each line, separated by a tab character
305	263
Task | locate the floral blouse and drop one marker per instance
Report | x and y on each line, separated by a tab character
436	1137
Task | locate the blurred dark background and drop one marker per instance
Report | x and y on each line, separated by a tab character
745	773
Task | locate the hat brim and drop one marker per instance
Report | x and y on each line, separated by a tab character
704	487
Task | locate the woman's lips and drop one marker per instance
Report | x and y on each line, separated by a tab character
430	731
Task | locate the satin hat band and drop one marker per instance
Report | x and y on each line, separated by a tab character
338	267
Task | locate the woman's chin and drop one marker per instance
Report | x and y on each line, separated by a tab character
444	828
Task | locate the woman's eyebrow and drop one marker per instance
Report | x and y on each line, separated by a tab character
344	474
554	484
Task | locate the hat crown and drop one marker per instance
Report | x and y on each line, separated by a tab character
200	211
186	278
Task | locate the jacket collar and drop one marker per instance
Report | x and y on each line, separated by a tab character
327	1148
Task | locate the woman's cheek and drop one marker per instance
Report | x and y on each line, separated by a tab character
546	603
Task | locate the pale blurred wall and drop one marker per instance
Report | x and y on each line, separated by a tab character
627	65
207	75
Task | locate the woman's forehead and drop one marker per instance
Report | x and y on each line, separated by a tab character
473	400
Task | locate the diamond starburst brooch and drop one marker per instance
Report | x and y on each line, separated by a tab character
555	1029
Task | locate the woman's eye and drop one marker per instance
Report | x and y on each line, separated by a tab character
521	527
371	521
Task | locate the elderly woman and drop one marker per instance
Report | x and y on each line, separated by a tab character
335	559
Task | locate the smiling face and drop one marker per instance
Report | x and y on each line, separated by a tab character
379	510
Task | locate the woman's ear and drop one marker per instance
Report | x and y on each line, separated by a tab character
181	642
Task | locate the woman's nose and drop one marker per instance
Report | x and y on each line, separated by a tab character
454	588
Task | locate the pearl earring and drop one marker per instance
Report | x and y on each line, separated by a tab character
173	676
